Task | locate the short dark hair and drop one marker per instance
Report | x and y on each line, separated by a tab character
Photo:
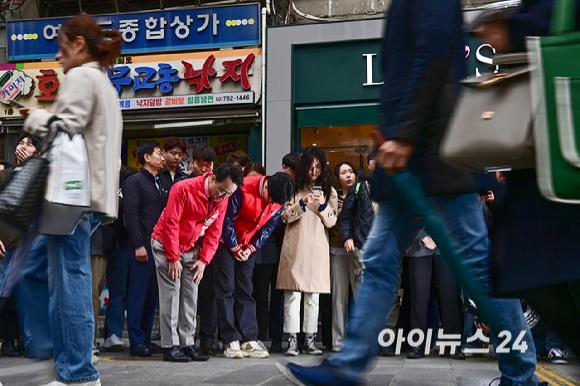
291	160
280	188
173	142
361	175
35	140
254	167
239	157
203	153
146	148
126	172
226	170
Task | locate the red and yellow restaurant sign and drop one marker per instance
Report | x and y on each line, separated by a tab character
192	80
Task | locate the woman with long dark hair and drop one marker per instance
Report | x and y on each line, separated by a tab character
88	105
305	260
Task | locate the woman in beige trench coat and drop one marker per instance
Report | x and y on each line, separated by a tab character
305	260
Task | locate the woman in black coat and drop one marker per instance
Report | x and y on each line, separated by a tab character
535	244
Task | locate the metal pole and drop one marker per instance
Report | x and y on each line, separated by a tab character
80	6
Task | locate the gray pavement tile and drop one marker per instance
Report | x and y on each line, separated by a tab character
379	379
442	375
466	381
398	382
249	376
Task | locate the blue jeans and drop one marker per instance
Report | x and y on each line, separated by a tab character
393	230
32	295
117	276
70	311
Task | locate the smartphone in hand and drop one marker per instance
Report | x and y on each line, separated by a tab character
317	190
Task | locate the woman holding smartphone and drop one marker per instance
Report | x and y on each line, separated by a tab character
305	260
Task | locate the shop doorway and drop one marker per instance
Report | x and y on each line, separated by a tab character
341	143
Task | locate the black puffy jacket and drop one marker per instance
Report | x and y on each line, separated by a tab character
357	215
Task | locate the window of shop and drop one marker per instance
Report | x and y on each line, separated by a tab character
341	143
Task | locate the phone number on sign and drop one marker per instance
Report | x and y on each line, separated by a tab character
418	338
232	98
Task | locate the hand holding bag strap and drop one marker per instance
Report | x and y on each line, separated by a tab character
563	17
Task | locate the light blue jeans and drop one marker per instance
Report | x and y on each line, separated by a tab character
70	311
393	230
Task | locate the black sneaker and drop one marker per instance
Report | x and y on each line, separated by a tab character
558	356
292	346
309	346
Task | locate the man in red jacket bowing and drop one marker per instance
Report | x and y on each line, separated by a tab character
196	209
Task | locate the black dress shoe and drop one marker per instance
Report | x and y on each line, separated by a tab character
194	353
276	346
9	349
388	351
416	353
140	350
208	349
155	348
458	354
174	354
219	346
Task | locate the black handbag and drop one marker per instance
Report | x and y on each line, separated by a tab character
22	193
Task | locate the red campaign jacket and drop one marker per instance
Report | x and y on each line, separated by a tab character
187	218
250	219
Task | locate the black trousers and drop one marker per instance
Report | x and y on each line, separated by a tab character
423	272
269	312
233	291
9	328
559	307
207	307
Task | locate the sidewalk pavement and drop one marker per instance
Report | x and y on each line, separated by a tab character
119	369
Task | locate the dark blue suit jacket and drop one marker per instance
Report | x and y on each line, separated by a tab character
423	60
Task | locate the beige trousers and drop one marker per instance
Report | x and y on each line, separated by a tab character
292	312
342	277
177	299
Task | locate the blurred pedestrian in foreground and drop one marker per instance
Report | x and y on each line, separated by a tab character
532	232
423	60
87	104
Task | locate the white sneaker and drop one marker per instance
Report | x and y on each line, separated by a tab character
233	350
255	349
96	382
114	343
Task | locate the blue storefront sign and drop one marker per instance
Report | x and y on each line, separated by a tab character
190	29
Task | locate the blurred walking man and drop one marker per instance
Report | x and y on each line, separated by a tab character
423	60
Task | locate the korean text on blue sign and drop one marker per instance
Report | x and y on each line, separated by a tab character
190	29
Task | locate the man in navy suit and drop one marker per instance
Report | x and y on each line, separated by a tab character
423	59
